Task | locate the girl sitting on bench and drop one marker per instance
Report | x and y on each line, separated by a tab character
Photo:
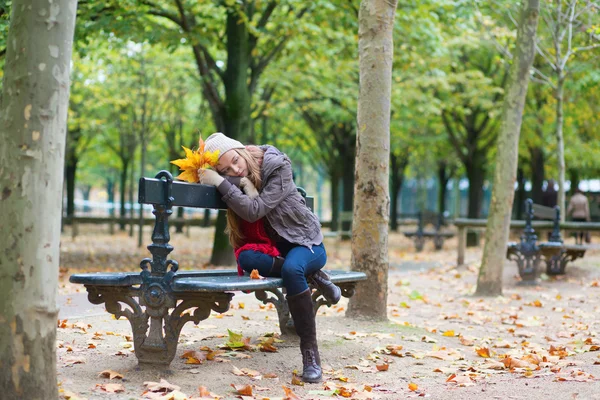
273	231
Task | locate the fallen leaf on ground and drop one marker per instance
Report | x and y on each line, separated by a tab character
110	374
483	352
111	387
163	386
289	395
244	390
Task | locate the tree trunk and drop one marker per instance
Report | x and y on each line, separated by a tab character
476	175
348	187
443	178
34	106
143	132
537	174
560	143
123	191
237	114
85	192
574	180
131	202
489	282
398	166
519	202
70	171
222	252
371	191
110	191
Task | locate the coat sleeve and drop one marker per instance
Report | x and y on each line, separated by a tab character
273	192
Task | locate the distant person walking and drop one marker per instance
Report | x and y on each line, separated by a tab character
579	210
550	195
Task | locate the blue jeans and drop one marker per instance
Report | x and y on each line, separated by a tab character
299	263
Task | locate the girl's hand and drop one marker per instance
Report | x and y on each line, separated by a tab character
248	188
210	177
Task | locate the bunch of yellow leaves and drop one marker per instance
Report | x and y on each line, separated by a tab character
195	160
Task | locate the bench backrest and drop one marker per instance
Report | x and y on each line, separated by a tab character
543	212
426	218
164	191
535	210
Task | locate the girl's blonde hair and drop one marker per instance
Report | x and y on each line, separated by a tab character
253	156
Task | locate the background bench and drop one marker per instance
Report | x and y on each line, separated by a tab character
529	253
424	220
159	299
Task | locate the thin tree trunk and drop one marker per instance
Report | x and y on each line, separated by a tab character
335	202
371	190
560	143
143	139
489	282
537	174
131	202
33	110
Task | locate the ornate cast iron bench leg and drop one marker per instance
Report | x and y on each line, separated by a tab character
419	243
150	345
438	242
557	264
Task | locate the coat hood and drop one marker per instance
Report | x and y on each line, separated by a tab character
272	160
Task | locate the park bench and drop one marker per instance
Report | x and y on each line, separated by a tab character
159	301
425	219
529	253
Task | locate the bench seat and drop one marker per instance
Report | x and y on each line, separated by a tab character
224	280
429	234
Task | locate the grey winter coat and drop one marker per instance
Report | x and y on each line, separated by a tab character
279	201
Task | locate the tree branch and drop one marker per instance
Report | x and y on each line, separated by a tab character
453	137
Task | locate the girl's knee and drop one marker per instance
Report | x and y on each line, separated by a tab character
291	271
246	260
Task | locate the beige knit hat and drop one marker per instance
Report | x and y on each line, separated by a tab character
218	141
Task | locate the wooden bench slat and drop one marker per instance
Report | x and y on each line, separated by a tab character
241	283
151	191
544	212
196	195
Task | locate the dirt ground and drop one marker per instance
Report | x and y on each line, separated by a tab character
439	342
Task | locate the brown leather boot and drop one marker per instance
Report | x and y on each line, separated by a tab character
276	267
301	308
328	289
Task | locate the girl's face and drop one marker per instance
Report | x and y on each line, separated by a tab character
232	164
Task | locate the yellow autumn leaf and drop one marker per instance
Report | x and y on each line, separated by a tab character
195	160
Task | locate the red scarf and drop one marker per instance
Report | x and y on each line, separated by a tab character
256	239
